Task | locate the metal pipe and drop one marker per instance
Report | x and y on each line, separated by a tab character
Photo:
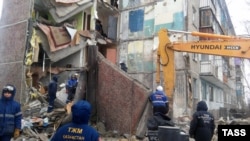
203	34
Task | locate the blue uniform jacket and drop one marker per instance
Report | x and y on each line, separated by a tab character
72	83
10	115
78	129
52	89
158	98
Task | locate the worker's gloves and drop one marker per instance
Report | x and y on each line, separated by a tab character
16	133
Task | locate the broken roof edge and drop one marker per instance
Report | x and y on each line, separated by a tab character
108	6
62	53
71	14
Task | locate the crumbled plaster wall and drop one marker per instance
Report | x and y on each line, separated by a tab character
121	99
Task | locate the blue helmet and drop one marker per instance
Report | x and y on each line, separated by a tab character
81	112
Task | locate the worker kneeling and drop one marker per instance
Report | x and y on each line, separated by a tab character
159	101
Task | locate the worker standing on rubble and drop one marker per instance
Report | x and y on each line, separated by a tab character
159	101
71	87
10	114
202	125
52	89
78	129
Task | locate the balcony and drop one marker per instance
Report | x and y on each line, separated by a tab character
209	72
207	68
204	4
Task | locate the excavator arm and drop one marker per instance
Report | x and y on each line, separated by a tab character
222	45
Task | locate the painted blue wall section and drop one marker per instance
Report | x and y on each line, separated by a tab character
136	19
177	24
149	27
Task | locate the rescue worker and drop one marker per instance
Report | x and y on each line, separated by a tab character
99	28
202	125
71	87
123	66
78	129
52	89
159	101
10	114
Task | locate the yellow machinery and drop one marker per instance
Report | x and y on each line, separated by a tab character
222	45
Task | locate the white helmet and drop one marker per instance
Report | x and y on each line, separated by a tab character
122	61
159	88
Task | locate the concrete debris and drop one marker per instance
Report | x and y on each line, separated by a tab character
101	128
235	121
38	125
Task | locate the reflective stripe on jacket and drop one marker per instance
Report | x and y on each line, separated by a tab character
10	117
158	98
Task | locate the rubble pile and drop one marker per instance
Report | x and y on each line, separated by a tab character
38	125
184	121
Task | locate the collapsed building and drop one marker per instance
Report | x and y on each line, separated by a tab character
53	37
70	38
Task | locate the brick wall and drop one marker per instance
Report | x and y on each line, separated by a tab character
121	99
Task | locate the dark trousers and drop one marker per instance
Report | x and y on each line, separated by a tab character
5	138
71	94
51	105
160	109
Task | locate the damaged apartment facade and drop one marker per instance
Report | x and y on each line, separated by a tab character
41	38
215	79
46	37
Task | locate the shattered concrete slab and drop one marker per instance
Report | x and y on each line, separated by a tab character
62	53
61	12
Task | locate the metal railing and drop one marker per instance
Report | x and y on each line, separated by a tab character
206	67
